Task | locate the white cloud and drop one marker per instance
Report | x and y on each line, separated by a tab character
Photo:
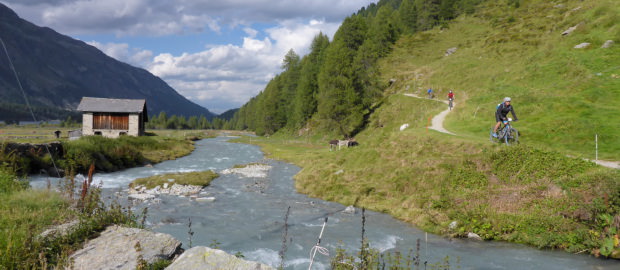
221	76
236	73
165	17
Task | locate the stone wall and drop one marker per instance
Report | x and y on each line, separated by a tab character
134	125
87	124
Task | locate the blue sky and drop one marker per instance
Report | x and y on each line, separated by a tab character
218	54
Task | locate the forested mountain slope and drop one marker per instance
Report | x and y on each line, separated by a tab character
337	84
533	193
564	95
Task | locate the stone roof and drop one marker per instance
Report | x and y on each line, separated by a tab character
111	105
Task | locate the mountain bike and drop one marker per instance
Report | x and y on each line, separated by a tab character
506	134
450	104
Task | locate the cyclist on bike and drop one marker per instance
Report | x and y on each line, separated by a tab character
502	112
430	93
450	95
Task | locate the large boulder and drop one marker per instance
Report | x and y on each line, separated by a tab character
205	258
124	248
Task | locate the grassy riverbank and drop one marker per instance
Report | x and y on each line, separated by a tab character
26	213
107	154
520	194
533	193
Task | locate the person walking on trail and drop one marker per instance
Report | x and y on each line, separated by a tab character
430	93
502	112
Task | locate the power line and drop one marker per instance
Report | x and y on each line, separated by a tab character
27	102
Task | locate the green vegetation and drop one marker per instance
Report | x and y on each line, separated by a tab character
163	121
191	178
562	95
239	166
107	154
25	214
533	193
337	85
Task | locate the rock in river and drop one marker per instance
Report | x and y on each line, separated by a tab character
205	258
121	248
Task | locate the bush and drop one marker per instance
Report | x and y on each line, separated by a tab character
9	182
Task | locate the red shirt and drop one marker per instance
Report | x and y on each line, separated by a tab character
450	95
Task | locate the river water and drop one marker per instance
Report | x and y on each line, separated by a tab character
247	217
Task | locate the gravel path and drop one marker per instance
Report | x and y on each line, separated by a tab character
437	122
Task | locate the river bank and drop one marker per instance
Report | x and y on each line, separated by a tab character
453	187
247	217
26	212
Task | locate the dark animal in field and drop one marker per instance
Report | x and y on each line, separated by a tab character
353	142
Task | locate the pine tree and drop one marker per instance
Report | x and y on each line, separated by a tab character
339	105
305	103
408	16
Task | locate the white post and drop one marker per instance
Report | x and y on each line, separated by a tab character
596	142
426	244
315	248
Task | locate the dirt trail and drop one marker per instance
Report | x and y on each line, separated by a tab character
437	122
608	164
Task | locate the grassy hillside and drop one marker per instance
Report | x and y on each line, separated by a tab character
533	193
564	96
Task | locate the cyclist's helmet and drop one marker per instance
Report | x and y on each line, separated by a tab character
506	99
450	91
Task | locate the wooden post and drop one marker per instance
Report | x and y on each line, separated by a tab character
596	143
429	123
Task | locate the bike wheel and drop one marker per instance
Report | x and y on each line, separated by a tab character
493	139
514	135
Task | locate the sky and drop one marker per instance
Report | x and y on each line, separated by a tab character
218	54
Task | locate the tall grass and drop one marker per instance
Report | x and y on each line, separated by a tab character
564	96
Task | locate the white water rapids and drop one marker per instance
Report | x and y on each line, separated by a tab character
247	216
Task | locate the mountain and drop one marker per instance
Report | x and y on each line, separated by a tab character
541	192
56	71
227	115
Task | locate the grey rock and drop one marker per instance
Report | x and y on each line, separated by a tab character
60	230
141	196
474	236
205	199
255	170
453	225
349	210
121	248
607	44
450	51
582	45
205	258
569	30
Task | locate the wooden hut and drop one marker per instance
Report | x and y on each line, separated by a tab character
113	117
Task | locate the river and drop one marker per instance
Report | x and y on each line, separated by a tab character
247	217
